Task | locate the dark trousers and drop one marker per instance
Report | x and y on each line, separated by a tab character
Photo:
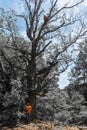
29	117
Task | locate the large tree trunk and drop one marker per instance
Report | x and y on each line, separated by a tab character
31	80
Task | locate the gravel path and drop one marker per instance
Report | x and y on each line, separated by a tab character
43	126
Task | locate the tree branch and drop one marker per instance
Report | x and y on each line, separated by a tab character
44	48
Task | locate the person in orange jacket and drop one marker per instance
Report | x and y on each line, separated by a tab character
45	18
29	111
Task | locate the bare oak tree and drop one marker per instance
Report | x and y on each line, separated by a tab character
51	31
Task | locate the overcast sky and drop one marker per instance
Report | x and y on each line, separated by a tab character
18	6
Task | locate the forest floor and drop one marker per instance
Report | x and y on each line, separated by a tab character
43	126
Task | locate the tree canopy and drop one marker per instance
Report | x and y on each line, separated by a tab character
78	73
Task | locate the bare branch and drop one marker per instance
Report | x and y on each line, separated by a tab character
65	7
53	29
47	69
29	9
22	16
44	48
80	34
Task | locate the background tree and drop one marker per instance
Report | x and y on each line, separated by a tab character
78	73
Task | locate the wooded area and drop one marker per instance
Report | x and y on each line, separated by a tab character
30	68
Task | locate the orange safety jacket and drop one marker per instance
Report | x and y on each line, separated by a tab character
45	18
29	109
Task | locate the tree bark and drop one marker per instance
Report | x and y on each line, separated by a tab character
31	79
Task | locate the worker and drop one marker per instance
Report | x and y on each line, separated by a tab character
29	111
45	18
